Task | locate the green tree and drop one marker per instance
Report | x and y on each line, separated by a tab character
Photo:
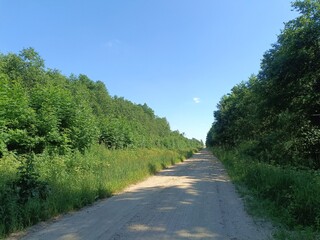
277	111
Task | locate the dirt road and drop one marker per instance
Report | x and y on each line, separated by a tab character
191	200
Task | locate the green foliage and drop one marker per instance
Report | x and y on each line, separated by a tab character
47	184
290	196
279	109
42	110
17	117
116	134
22	193
28	186
269	126
56	137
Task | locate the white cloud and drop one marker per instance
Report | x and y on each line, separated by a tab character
196	100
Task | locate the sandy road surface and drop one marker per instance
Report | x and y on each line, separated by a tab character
191	200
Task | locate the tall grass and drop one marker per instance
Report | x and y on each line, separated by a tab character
289	196
75	180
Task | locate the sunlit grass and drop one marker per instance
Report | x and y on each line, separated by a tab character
76	180
288	196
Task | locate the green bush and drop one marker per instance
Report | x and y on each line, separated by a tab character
291	191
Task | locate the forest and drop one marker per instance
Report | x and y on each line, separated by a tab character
272	122
275	115
65	142
42	110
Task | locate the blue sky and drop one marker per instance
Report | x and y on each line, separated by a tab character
178	56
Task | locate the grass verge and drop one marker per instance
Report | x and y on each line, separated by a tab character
288	196
72	181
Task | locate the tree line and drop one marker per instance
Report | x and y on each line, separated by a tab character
42	110
275	115
65	142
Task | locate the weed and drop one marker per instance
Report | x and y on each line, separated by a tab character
287	195
74	180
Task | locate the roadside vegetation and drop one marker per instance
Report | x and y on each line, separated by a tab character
65	142
47	185
286	195
267	130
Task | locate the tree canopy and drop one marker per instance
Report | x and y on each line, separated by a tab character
43	110
275	115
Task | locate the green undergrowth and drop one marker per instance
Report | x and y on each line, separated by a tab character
36	188
288	196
